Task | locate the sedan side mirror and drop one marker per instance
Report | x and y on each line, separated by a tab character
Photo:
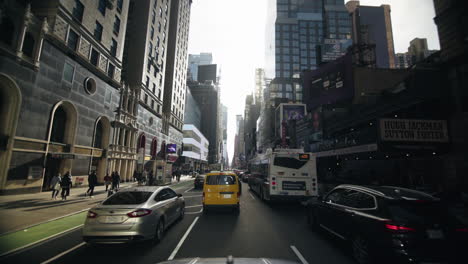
179	195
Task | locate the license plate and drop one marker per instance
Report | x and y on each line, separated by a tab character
435	234
227	196
113	219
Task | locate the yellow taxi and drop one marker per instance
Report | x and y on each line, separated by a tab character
221	189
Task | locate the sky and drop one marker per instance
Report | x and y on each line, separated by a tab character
234	32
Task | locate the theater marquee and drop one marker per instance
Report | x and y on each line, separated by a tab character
414	130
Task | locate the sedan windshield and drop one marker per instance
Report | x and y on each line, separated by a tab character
128	198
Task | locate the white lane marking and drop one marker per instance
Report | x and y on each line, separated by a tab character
201	210
39	242
188	190
64	253
194	206
192	196
171	257
299	255
252	196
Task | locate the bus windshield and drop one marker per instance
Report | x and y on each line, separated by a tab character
287	162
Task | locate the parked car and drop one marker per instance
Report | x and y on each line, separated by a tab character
134	214
199	181
390	224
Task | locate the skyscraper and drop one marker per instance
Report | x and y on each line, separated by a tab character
296	33
196	60
373	25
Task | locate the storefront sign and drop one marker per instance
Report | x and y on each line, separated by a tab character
350	150
413	130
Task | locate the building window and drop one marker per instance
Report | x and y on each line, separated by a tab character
152	104
94	57
68	72
159	27
78	10
7	27
158	40
102	7
146	98
153	17
114	47
152	32
117	25
28	45
98	31
150	49
147	81
119	5
110	70
160	11
159	94
72	41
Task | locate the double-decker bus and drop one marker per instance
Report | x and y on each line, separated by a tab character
284	174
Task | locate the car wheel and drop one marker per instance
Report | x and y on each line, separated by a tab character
159	231
361	253
311	219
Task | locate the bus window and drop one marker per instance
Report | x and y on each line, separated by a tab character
291	163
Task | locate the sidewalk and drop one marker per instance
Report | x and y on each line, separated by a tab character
25	210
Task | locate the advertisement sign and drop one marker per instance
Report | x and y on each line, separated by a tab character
293	112
171	148
414	130
332	49
330	83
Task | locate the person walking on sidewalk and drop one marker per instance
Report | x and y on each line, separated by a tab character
178	173
92	181
107	181
115	181
150	178
66	184
55	185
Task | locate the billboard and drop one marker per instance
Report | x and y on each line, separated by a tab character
293	112
171	148
330	83
332	49
414	130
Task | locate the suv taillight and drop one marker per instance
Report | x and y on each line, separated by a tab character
463	229
92	214
139	213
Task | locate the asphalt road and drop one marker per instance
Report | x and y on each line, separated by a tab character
260	230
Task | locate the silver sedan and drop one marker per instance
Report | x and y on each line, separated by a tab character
133	214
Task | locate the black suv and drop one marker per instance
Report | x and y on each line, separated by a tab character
391	224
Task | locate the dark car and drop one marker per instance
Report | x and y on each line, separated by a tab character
199	181
391	224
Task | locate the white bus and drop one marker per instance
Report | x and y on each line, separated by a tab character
284	174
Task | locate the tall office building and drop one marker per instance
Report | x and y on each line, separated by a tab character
372	25
297	34
259	84
60	84
403	60
175	84
145	65
196	60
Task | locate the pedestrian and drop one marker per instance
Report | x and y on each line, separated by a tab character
174	174
92	181
55	185
107	181
178	173
66	184
135	176
145	176
115	181
150	178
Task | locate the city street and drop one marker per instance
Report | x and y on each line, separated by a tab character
260	230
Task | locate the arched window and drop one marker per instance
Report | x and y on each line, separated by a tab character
7	27
142	141
98	135
58	126
28	45
154	147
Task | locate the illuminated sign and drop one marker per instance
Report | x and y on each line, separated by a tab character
304	156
